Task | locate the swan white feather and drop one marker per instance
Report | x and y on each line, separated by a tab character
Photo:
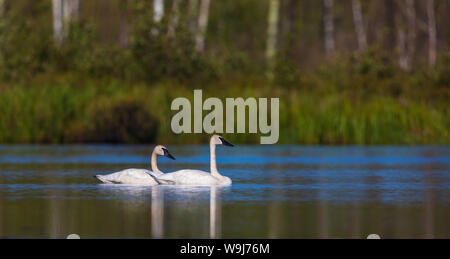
193	177
139	176
197	177
130	176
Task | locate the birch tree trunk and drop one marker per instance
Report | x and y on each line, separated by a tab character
411	35
403	60
432	35
72	7
272	35
158	14
359	25
158	10
76	9
123	27
329	27
70	10
192	14
202	26
64	12
173	23
70	14
58	21
401	47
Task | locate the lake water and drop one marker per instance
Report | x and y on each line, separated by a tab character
277	192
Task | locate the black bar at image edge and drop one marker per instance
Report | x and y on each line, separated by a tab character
226	247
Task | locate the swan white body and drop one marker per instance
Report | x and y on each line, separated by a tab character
130	176
197	177
194	177
139	176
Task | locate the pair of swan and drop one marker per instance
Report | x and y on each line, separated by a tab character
181	177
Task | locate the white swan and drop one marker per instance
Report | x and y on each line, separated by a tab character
139	176
197	177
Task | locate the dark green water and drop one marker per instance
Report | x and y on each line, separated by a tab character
277	192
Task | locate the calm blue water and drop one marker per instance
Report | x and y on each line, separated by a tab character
277	191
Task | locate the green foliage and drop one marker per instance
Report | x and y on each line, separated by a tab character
27	50
380	120
93	90
38	114
156	56
114	120
114	112
287	74
24	47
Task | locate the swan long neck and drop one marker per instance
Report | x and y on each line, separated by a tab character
214	171
154	166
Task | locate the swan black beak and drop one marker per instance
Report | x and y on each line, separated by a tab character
167	154
226	143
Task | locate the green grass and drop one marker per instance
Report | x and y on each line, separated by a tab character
84	111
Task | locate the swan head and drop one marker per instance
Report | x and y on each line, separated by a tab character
162	151
218	140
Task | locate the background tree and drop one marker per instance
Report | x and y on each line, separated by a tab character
124	25
411	35
359	25
58	31
405	19
432	35
272	34
328	27
403	60
174	18
158	10
64	13
192	15
71	10
158	14
202	26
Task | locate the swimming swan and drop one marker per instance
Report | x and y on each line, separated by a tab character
197	177
139	176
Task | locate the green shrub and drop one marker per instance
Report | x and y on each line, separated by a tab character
114	120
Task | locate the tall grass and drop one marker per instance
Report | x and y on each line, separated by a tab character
114	112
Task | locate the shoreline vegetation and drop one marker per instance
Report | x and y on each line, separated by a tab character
110	111
90	87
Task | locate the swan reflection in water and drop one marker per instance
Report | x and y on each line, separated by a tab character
180	204
157	206
157	212
215	213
